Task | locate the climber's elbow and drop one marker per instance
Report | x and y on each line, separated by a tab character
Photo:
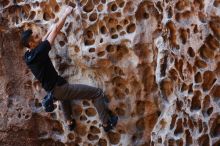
53	35
56	28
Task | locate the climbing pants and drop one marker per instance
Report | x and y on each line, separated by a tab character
67	92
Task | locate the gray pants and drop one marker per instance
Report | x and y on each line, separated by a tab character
67	92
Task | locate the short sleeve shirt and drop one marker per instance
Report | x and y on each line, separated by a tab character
39	62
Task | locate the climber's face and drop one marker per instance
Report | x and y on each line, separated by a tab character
34	40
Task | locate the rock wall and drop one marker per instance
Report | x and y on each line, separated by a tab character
158	62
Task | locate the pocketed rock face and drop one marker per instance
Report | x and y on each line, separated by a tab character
158	62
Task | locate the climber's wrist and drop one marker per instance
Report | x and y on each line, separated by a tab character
68	11
64	16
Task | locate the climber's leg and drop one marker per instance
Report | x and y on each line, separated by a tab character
67	113
66	108
76	91
81	91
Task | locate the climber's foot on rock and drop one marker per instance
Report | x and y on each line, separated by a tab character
71	124
111	122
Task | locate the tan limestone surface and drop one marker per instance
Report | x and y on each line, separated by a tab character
158	62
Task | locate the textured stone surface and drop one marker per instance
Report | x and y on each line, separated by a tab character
158	62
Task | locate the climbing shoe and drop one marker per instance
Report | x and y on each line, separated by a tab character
111	123
47	102
72	125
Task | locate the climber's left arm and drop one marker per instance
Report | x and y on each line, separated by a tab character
59	25
48	32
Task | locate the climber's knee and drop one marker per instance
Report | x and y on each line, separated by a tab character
99	93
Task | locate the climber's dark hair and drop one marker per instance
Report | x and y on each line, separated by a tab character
25	37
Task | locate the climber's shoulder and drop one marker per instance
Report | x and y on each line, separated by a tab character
44	46
38	53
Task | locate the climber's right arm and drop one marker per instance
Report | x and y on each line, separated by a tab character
51	37
47	34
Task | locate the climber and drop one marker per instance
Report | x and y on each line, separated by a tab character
58	89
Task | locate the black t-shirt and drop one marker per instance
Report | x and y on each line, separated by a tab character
39	62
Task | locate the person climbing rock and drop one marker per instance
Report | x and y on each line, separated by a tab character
37	59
